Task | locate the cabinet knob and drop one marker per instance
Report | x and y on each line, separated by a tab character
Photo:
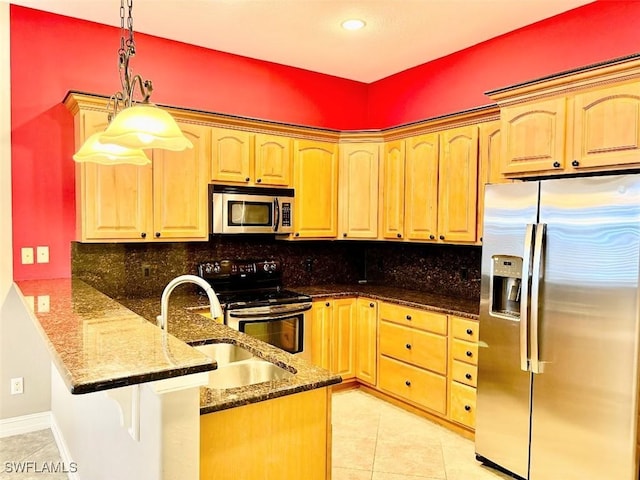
408	317
469	331
399	235
297	234
481	239
432	237
441	237
407	383
467	376
408	346
143	234
556	164
247	179
327	304
157	234
469	353
259	180
575	163
372	304
467	408
344	235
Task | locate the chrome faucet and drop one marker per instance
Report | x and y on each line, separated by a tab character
214	304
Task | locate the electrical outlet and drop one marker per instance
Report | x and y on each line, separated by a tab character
464	273
146	271
308	265
42	254
17	386
43	303
27	255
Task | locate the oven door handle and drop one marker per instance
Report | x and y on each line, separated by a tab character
267	315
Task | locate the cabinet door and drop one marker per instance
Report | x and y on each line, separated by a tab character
392	208
272	160
316	183
421	187
533	137
366	340
607	127
113	202
342	338
180	180
489	172
321	318
458	185
231	155
358	193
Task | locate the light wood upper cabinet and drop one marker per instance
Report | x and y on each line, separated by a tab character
358	190
533	136
606	127
366	336
231	155
392	184
343	358
272	160
180	182
421	187
458	184
315	181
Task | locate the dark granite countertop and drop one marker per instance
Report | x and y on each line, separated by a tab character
412	298
98	344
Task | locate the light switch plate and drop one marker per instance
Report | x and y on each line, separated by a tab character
42	254
27	255
31	302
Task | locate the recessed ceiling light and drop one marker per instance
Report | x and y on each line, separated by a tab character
353	24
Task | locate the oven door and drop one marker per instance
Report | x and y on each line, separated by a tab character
284	329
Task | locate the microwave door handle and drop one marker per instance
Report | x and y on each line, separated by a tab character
524	302
276	207
536	278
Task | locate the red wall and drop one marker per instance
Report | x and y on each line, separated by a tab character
589	34
51	54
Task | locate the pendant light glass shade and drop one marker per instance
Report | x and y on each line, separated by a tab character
95	151
145	126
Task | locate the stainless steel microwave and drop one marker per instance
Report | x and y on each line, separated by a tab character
251	209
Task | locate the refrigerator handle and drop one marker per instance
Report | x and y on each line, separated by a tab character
536	277
524	296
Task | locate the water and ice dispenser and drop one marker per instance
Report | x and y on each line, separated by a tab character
506	285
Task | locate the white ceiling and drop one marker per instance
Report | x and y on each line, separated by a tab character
399	34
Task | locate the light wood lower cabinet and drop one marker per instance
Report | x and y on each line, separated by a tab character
282	438
366	340
342	347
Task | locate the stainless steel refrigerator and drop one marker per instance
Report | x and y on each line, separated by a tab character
559	310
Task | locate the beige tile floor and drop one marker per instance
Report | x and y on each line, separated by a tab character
372	440
375	440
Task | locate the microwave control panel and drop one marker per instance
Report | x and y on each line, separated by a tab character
286	214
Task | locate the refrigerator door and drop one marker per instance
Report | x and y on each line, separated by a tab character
502	414
584	400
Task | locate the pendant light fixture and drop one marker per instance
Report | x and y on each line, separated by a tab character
133	126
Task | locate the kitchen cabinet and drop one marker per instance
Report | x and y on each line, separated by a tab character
392	184
343	358
458	185
321	318
272	160
358	190
421	187
412	358
163	201
315	181
366	337
285	438
464	369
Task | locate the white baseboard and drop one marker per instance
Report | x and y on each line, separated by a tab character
65	456
25	424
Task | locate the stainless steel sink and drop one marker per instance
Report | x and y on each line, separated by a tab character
224	353
238	367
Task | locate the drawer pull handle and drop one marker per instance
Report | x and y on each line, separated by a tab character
467	376
408	346
467	408
408	317
407	383
469	331
469	353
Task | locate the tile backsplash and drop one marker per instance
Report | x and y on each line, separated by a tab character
143	269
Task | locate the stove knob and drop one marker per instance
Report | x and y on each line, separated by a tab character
266	267
216	268
273	267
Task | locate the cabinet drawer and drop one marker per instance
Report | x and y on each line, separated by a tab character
414	384
419	348
411	317
463	404
464	329
464	373
464	351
